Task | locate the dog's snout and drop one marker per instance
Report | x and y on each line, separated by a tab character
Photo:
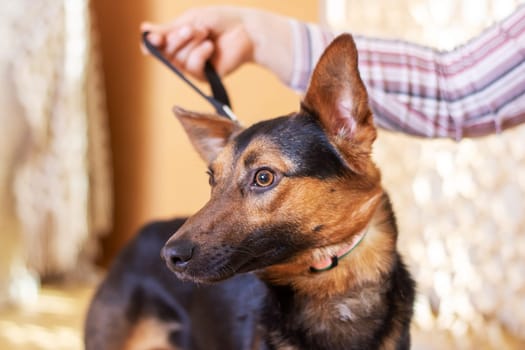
177	254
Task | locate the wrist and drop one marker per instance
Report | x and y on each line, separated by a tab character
271	36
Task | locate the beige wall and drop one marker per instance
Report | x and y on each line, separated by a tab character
156	172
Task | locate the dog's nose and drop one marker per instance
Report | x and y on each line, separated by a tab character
177	254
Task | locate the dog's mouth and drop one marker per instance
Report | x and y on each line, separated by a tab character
203	279
205	270
213	269
260	248
216	274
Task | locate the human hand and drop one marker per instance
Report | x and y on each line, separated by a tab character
227	36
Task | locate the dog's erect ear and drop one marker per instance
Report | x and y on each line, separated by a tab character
337	96
208	133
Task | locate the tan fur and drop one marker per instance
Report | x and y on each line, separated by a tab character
320	234
327	213
151	334
320	202
308	202
366	263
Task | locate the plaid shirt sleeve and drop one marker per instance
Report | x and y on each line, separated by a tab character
473	90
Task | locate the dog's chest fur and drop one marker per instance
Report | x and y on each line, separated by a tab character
293	322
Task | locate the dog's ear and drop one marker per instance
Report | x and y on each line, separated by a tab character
337	96
208	133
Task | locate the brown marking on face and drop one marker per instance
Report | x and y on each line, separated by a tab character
340	205
233	212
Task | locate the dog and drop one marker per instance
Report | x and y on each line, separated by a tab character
296	248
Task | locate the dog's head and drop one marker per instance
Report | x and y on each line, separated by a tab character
283	187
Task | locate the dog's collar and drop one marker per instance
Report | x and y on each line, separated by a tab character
330	263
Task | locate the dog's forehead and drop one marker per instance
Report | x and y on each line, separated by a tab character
283	131
267	129
251	146
298	137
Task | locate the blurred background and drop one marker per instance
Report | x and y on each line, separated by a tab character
90	151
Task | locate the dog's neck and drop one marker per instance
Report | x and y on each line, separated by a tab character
329	305
367	257
340	251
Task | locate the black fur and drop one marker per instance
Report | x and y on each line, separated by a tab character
139	285
248	226
224	315
242	312
262	241
282	307
301	139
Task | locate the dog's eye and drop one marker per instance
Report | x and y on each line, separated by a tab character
263	178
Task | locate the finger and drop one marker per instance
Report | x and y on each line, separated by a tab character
178	38
155	39
155	33
197	59
161	29
147	27
181	55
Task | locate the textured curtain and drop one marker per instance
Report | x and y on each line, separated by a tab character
61	179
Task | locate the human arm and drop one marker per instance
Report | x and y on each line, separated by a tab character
474	90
